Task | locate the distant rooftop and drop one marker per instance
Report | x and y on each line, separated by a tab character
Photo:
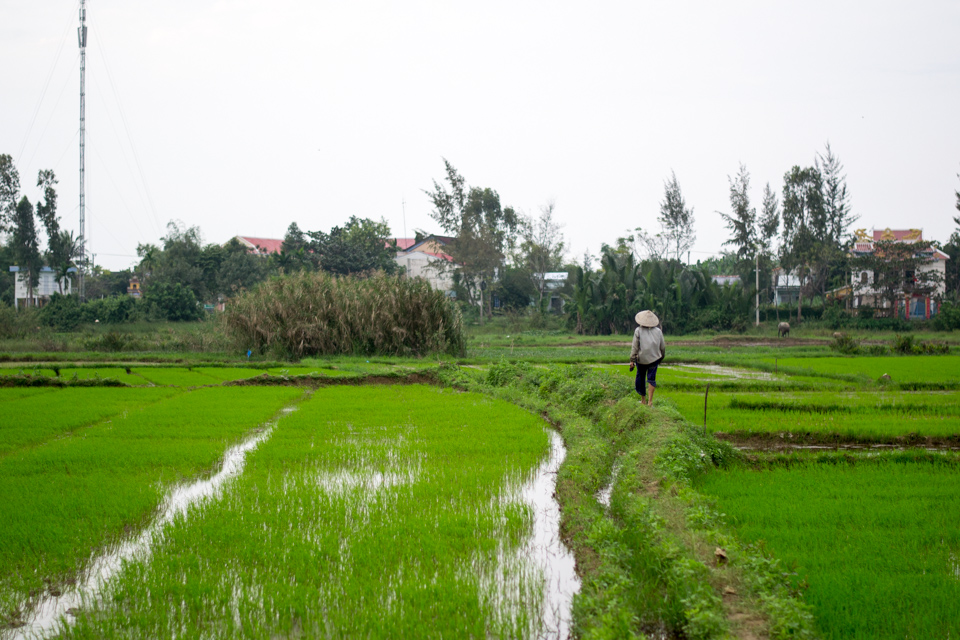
263	246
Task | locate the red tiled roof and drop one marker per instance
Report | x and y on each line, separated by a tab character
898	234
403	243
262	245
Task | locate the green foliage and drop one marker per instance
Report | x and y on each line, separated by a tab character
685	298
61	312
116	309
948	318
845	344
172	301
907	345
825	417
359	246
482	230
317	314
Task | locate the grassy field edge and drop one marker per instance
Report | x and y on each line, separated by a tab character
658	559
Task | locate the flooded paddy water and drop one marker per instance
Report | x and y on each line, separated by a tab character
408	509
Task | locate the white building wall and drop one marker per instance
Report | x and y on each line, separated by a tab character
421	265
45	288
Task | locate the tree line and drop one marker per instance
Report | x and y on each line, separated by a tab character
499	256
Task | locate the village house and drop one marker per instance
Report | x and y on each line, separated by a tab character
47	286
259	246
786	286
427	259
919	303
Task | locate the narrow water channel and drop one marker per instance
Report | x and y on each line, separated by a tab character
546	548
50	610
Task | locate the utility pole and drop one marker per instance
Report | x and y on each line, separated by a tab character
758	289
82	38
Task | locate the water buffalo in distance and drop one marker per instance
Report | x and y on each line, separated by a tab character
783	329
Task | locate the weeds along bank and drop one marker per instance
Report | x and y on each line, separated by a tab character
648	560
311	314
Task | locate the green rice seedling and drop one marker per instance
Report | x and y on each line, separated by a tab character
89	373
226	374
373	511
15	393
312	371
26	371
310	314
877	542
176	376
931	370
867	416
37	418
71	497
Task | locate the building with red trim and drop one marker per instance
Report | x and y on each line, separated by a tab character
911	304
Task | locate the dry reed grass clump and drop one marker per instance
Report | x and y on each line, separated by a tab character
310	314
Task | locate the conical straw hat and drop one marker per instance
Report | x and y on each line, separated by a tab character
647	318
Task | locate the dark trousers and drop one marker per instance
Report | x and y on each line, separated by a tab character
646	373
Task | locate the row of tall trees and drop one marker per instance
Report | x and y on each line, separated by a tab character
19	220
815	218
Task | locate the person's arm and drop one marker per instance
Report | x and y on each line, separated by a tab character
635	349
663	346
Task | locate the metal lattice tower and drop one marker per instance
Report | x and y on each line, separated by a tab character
82	37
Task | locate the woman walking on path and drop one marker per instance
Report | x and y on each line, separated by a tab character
647	353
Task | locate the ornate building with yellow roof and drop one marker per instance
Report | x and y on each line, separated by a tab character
920	302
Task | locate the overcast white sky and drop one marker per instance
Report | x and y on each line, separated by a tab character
241	117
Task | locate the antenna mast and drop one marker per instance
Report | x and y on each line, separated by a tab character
82	37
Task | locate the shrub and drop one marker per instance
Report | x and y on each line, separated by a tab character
111	310
309	314
61	312
903	344
907	346
172	302
947	319
843	343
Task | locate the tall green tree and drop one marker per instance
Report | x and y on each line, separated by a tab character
952	248
803	223
360	246
769	220
9	192
541	250
836	199
676	218
26	245
483	231
742	219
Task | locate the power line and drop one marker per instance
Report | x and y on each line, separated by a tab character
126	159
53	111
46	85
123	120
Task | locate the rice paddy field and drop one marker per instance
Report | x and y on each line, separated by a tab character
871	537
826	416
400	510
877	541
929	370
369	511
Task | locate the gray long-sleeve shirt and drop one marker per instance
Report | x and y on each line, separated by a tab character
648	345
